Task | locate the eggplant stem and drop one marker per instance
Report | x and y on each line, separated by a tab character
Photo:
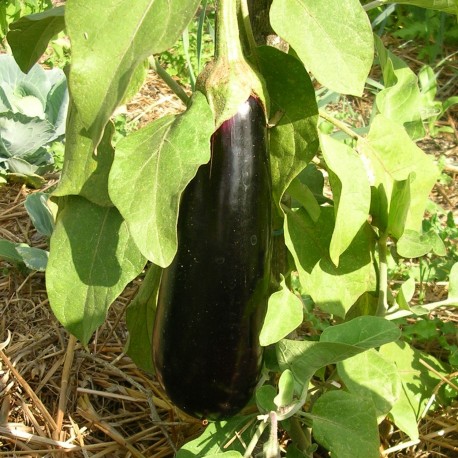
227	31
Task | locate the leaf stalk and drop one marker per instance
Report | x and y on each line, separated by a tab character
171	83
340	125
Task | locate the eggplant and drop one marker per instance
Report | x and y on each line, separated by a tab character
212	298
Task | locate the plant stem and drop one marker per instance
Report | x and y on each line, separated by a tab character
62	406
247	25
382	306
429	307
300	438
254	440
171	83
339	124
227	31
373	4
271	448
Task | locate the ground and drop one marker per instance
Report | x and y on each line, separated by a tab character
57	395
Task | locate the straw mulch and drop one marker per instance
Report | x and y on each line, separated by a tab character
58	398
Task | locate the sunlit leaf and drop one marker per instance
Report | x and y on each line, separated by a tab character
109	40
335	44
351	192
156	163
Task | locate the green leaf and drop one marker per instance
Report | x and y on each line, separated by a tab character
92	258
303	195
156	163
9	253
389	156
30	35
313	178
304	358
284	314
140	319
415	244
213	440
39	212
339	53
293	452
448	6
364	331
84	172
371	376
265	396
405	294
333	289
285	389
33	258
351	192
109	40
401	100
418	383
399	207
453	284
230	454
294	138
346	425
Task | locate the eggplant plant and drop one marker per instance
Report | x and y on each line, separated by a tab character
238	237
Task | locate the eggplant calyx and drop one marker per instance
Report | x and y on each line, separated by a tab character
229	80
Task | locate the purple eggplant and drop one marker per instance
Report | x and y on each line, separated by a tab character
213	297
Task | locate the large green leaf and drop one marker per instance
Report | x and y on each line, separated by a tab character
351	192
30	35
340	342
334	42
85	172
364	331
151	168
401	100
371	376
92	258
294	138
333	289
418	383
109	40
346	425
390	155
304	358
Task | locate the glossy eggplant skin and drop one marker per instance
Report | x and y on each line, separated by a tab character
213	297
